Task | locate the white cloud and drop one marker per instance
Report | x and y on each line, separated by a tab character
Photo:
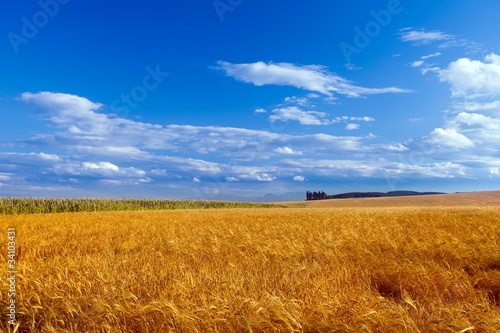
420	63
303	117
72	111
312	77
127	141
260	110
302	101
449	138
377	169
417	63
477	106
311	117
395	147
485	122
351	127
483	130
426	70
444	40
39	158
437	54
49	157
112	182
437	170
299	178
422	37
263	177
473	78
352	67
100	166
196	180
367	119
132	152
4	177
287	151
106	169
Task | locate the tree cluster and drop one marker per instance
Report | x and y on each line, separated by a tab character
320	195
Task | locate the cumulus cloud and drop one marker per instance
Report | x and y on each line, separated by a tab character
486	122
114	147
483	130
351	127
449	138
75	112
473	78
121	152
121	138
311	77
299	178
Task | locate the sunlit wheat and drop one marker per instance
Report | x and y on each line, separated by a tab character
259	270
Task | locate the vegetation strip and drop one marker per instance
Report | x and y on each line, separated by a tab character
14	206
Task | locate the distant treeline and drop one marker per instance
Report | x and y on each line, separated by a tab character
320	195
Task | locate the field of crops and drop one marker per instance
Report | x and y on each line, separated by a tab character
13	206
391	269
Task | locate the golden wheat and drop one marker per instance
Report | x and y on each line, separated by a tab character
258	270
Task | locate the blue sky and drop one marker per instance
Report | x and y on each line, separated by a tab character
238	99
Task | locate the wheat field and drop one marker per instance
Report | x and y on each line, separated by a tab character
324	269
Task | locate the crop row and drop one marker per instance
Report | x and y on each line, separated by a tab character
14	206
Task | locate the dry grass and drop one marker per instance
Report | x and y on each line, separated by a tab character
259	270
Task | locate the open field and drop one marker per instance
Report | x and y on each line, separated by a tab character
355	269
13	206
491	198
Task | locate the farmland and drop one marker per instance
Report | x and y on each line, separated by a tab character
395	267
13	206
